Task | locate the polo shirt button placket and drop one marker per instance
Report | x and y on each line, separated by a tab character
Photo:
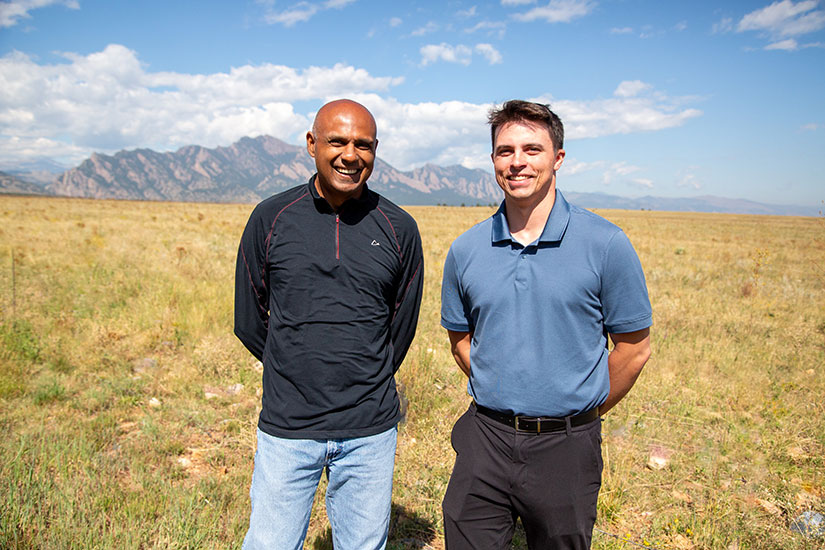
522	270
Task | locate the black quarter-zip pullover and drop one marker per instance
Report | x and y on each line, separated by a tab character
328	301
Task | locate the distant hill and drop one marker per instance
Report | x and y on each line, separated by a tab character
14	185
252	169
707	203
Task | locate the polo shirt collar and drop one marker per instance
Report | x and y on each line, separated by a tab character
554	227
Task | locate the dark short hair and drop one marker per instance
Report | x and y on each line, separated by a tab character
517	110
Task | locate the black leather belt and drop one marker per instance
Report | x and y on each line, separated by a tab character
539	424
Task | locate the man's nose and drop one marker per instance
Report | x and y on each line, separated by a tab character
518	159
349	153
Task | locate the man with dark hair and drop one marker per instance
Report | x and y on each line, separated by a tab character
529	298
526	112
327	291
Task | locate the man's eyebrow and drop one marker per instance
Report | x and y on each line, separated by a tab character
537	145
358	141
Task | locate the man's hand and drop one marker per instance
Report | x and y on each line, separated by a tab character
630	353
460	346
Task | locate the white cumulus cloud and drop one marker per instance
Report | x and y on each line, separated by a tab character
620	115
782	23
557	11
16	149
445	52
107	100
618	169
338	3
785	18
302	11
690	180
489	52
573	166
788	44
296	14
12	11
722	26
496	28
630	88
447	133
460	53
430	27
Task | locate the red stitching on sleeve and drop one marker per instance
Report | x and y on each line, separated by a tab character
406	290
272	228
252	283
393	230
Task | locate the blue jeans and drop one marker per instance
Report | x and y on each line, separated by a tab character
359	493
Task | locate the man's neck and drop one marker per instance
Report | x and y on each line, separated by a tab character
337	200
527	220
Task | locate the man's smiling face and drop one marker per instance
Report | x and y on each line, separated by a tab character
525	161
343	144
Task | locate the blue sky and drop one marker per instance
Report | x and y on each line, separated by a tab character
658	98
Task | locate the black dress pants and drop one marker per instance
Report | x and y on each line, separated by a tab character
549	480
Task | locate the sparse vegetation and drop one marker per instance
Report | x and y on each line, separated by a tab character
128	408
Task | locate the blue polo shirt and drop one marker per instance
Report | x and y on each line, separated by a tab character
540	314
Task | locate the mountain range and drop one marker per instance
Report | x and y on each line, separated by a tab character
252	169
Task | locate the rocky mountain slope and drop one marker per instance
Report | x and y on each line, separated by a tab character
250	170
14	185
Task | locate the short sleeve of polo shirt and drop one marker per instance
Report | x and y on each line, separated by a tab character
455	314
625	302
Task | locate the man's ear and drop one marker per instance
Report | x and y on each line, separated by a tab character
311	144
375	147
559	159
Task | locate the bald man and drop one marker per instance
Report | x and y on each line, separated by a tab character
327	291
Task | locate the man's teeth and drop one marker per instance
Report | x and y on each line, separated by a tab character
519	178
346	171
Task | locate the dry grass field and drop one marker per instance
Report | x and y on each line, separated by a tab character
128	408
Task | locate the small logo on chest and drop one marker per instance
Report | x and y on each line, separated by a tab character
375	243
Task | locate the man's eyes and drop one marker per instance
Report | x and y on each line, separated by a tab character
528	150
362	145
